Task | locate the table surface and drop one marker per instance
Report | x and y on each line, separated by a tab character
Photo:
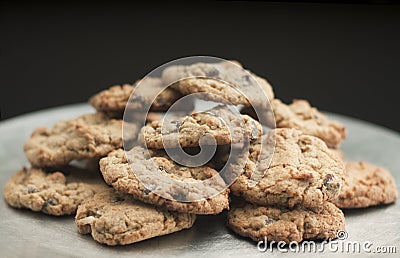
25	233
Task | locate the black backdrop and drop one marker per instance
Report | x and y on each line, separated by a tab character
344	58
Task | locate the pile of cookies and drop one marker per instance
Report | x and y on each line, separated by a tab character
291	184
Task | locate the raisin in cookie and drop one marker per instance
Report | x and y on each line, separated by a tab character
302	116
117	219
118	173
290	168
51	193
281	224
223	82
113	101
366	185
219	123
87	136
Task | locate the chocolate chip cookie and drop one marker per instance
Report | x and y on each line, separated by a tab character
290	168
87	136
122	175
113	218
219	124
282	224
51	193
225	82
302	116
366	185
113	101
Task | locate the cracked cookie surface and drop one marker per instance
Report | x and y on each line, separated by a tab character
225	82
290	168
366	185
113	101
118	173
219	124
51	193
113	218
280	224
87	136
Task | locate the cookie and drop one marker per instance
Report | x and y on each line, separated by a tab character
338	153
87	136
51	193
290	168
223	82
281	224
154	116
302	116
366	185
116	219
119	174
219	124
221	157
113	101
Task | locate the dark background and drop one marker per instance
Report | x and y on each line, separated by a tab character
344	58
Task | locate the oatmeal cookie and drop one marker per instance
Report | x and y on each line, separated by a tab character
113	218
282	224
113	101
51	193
85	137
219	124
118	173
302	116
225	82
366	185
290	168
